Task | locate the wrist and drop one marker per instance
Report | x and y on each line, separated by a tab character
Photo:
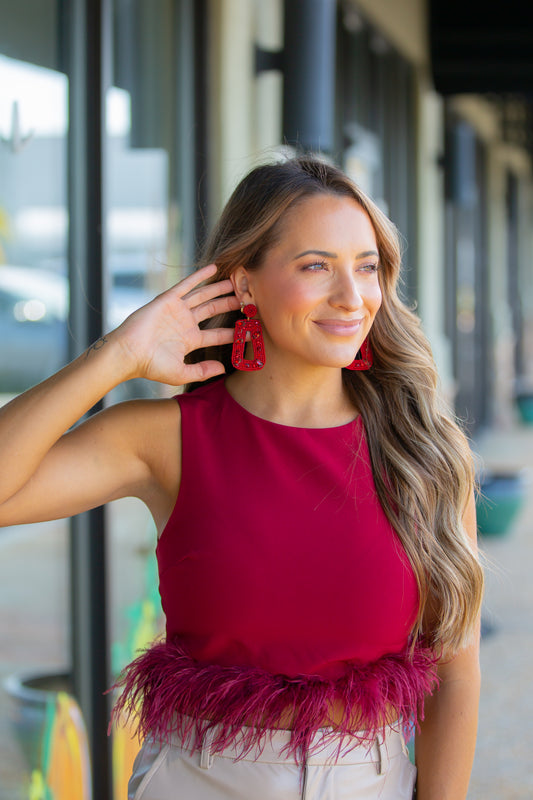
113	356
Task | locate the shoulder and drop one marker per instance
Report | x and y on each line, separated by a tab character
203	393
157	424
139	416
198	405
152	428
144	428
163	416
151	431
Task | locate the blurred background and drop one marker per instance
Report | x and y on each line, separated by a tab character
124	126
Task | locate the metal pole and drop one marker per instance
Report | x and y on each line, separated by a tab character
84	28
309	74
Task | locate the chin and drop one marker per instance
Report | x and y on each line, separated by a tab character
339	363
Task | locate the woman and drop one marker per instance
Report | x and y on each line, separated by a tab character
317	548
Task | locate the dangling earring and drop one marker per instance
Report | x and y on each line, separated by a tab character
366	357
239	341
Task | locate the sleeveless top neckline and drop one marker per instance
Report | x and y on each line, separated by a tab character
244	410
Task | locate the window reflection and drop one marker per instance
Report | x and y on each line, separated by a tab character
33	344
33	229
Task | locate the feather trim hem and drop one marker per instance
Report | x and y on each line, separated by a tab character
171	694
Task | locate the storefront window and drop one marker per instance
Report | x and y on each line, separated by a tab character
33	334
147	235
136	187
150	230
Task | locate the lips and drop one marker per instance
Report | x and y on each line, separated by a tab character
339	327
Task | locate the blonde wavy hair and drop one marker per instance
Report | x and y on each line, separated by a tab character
421	461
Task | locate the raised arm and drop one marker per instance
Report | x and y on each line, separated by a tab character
50	471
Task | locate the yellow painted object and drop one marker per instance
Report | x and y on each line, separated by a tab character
5	231
145	626
65	772
126	745
38	790
126	742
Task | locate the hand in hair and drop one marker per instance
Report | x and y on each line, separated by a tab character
157	338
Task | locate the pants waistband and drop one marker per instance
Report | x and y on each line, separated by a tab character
325	748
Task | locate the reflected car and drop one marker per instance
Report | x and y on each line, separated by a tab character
33	331
34	320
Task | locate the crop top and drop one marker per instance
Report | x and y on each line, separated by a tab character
283	583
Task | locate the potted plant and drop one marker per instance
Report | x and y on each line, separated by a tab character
50	729
523	396
499	500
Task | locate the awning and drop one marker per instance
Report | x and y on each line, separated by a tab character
481	49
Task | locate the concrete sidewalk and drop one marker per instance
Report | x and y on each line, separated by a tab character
503	768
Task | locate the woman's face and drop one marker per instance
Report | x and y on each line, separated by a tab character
317	291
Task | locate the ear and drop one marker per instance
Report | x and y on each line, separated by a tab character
241	285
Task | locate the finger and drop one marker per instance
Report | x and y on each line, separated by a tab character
203	370
192	280
205	293
215	337
219	306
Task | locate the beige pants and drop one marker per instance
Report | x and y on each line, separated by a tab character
169	772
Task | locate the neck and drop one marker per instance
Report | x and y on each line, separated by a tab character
309	398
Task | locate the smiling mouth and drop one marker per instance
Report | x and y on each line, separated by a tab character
340	327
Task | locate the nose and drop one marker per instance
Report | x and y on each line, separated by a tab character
347	292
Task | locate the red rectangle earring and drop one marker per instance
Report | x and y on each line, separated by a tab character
242	327
366	358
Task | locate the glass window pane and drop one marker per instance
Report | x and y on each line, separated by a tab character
33	224
143	228
33	336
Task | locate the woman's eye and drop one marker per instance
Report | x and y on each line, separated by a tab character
317	265
369	267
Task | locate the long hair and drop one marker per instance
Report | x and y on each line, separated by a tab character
422	464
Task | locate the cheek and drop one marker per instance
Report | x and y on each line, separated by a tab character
300	298
289	298
375	298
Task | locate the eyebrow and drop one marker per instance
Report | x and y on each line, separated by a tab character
324	253
367	253
327	254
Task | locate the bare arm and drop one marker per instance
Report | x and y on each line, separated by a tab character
49	472
446	743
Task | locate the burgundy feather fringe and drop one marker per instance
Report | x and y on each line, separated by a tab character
171	693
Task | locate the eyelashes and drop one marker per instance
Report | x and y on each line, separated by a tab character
317	266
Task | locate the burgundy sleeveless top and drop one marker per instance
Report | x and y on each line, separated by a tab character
278	553
282	581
